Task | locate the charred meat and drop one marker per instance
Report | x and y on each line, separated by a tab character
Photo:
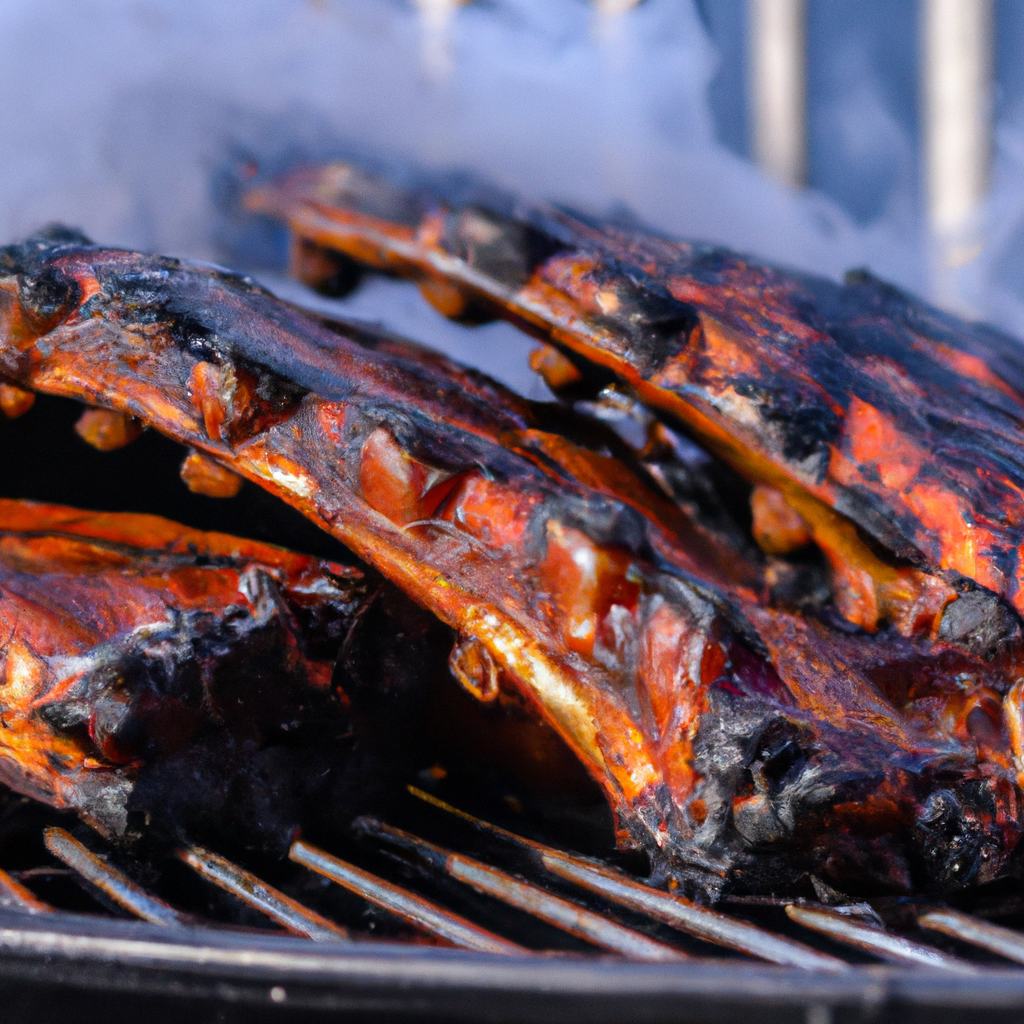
155	672
736	742
883	430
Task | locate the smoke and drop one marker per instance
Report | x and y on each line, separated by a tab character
118	114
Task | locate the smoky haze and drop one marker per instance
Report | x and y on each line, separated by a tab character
120	115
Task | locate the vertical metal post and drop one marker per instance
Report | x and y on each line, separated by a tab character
613	8
778	87
435	18
957	44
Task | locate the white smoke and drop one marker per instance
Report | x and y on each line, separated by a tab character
117	114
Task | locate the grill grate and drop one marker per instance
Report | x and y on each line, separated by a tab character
282	909
580	897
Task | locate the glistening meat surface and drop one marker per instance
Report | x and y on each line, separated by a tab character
890	430
734	741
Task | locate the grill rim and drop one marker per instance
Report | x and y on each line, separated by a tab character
130	960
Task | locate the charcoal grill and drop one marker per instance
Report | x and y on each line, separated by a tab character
426	913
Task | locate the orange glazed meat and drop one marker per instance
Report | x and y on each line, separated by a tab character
737	742
141	657
891	430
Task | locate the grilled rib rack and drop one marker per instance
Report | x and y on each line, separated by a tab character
545	935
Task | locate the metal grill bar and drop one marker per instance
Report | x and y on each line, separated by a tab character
111	882
554	910
992	937
435	920
253	891
14	896
869	939
681	914
689	917
417	911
